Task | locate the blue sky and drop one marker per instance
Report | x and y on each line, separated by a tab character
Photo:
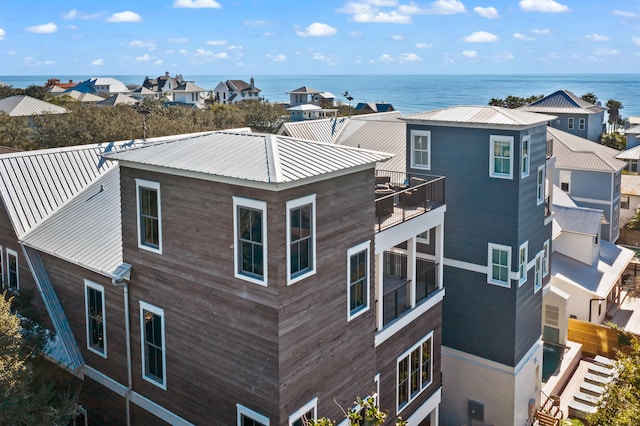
195	37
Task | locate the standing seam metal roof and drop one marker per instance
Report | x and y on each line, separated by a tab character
562	102
483	115
23	105
574	152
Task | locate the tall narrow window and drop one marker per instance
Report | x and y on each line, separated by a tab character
421	149
149	215
499	264
570	123
301	239
500	157
304	414
540	188
248	417
358	280
545	258
522	263
250	224
537	283
524	157
152	342
95	318
415	371
13	278
565	180
581	124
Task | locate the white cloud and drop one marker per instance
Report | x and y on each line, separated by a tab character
542	6
217	42
487	12
267	34
481	37
43	29
72	14
356	34
277	58
143	58
197	4
317	29
157	62
2	34
520	36
49	62
635	40
392	17
409	57
539	31
142	43
397	37
596	37
502	56
424	45
178	40
624	14
221	55
470	53
385	57
183	51
257	23
126	16
438	7
98	62
606	52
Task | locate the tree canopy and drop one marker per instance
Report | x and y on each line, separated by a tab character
365	412
614	140
514	101
590	97
613	107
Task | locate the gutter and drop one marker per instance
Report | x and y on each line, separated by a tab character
122	273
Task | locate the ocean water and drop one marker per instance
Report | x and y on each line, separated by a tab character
414	93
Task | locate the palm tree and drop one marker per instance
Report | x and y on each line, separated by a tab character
614	108
590	97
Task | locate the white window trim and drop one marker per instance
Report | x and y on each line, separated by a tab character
500	138
143	183
537	276
424	240
8	271
541	184
525	160
89	284
144	306
545	259
311	405
426	133
564	176
423	387
490	279
570	123
257	205
523	278
292	204
248	412
581	124
350	252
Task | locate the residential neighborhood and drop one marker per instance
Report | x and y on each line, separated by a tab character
452	264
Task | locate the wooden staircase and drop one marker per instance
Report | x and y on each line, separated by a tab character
549	413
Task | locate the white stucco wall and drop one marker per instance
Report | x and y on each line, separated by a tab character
577	246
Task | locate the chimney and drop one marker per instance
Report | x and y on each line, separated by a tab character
252	83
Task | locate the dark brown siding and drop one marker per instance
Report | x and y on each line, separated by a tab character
228	341
104	407
388	352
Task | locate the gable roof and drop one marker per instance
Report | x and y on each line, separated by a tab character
374	106
479	115
82	96
304	90
187	87
240	86
574	152
581	220
117	99
562	102
630	154
263	158
23	105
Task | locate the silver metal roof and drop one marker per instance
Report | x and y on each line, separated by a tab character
581	220
562	102
262	158
630	185
574	152
86	230
117	99
22	105
322	130
630	154
480	115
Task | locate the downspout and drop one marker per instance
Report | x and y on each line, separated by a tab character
590	304
125	287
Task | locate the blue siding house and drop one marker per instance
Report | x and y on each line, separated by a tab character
574	114
496	254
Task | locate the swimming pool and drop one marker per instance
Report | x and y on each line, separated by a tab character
551	359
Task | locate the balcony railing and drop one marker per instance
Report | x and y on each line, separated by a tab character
549	148
397	288
402	196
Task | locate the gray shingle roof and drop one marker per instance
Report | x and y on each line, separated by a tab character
480	115
22	105
574	152
261	158
562	102
187	87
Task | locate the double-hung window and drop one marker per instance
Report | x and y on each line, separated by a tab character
581	123
501	157
522	263
545	258
415	371
537	283
154	368
250	249
358	280
301	238
149	215
304	414
499	264
95	318
524	157
13	278
570	126
421	149
248	417
540	193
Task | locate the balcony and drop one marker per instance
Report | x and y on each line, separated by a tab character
398	290
402	196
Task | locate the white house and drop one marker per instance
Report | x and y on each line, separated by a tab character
309	112
234	91
189	93
629	198
101	85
